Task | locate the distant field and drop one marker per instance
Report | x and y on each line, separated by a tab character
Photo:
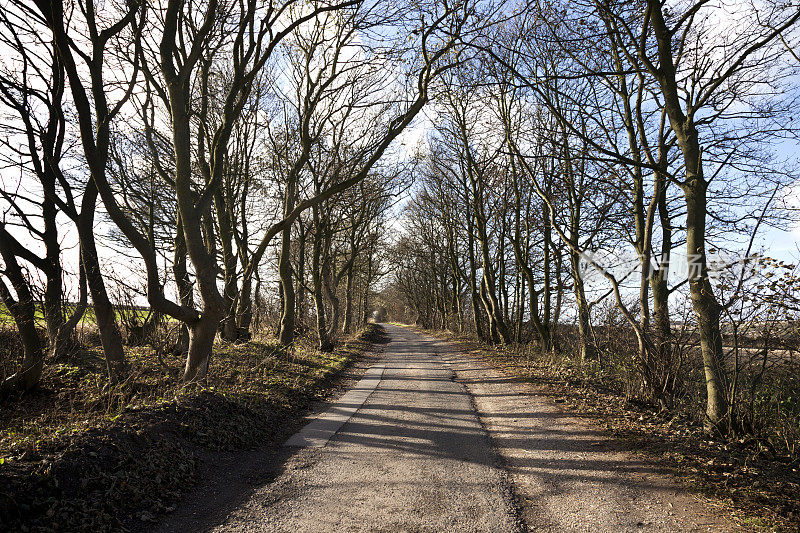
6	320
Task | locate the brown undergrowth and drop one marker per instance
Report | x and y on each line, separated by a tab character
75	456
759	487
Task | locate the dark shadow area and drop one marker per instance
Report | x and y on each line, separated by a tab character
371	430
228	480
419	413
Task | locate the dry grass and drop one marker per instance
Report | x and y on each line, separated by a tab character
748	477
75	455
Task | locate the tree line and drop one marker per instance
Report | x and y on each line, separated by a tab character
217	138
618	154
582	157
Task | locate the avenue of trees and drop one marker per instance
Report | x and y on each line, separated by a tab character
238	150
595	180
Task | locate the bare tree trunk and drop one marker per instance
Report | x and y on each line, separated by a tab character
660	291
559	297
367	283
496	324
502	281
707	309
201	344
286	335
57	336
547	289
325	344
64	338
110	338
228	328
540	326
23	309
494	337
200	250
244	311
94	137
329	288
586	345
473	274
330	294
185	289
347	326
60	329
300	318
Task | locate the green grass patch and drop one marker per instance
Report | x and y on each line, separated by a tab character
88	319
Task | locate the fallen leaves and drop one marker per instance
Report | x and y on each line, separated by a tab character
760	486
84	460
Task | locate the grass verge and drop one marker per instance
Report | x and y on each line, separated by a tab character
77	457
759	487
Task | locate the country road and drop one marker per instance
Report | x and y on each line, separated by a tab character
432	441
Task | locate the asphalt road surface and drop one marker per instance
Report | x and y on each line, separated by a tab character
431	440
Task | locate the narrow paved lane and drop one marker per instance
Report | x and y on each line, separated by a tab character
413	458
406	450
